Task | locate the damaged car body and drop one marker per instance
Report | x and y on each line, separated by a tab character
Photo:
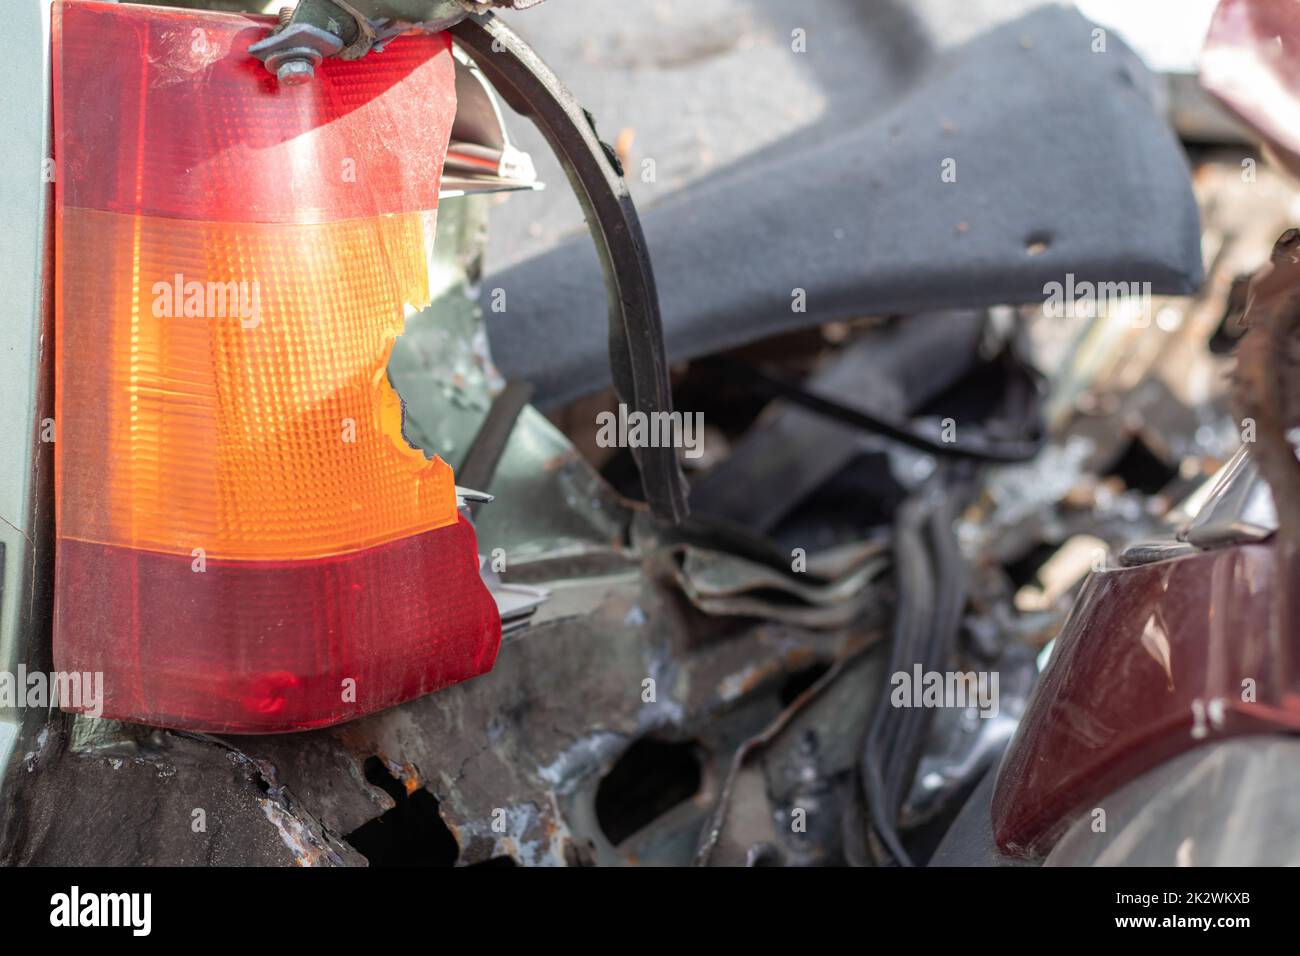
990	523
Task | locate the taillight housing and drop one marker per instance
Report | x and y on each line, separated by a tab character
246	542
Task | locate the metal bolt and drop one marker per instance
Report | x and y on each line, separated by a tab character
286	14
295	71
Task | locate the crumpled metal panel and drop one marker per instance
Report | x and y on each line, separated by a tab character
800	768
524	746
123	795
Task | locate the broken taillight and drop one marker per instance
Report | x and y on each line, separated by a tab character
246	542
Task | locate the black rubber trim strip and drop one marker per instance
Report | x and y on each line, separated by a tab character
636	341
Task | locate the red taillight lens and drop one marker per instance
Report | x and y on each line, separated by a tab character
246	541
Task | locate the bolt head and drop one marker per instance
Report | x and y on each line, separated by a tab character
295	72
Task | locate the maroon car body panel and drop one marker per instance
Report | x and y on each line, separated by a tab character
1154	660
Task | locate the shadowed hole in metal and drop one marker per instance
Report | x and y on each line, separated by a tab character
651	778
412	833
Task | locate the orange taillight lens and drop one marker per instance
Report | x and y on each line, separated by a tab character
264	432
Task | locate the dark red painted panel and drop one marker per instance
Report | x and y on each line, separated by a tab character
1150	664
